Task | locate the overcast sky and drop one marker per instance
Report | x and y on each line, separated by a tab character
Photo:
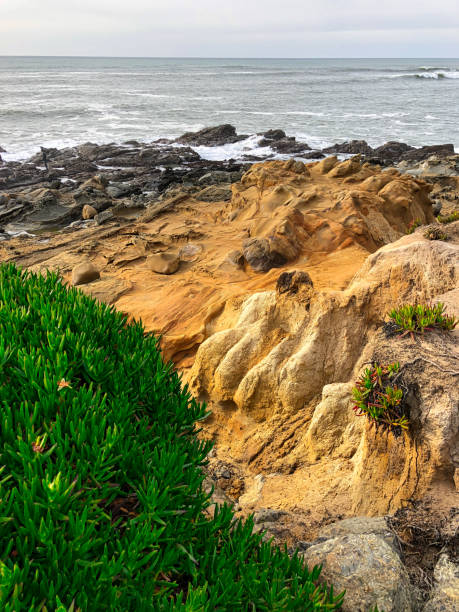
231	28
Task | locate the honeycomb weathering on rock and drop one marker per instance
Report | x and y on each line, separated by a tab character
276	360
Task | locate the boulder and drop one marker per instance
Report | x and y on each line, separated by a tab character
215	193
84	273
353	147
291	282
163	263
288	146
88	212
103	217
211	136
367	568
274	135
391	152
237	258
444	597
361	525
260	256
416	155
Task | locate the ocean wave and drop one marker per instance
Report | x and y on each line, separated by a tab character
438	74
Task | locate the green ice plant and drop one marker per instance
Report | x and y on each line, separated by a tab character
380	401
454	216
417	318
102	504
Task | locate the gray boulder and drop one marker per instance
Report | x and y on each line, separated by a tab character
367	568
445	594
361	525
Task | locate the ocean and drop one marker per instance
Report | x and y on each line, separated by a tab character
63	101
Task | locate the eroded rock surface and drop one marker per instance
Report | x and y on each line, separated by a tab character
286	276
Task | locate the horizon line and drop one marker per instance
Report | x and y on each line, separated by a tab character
194	57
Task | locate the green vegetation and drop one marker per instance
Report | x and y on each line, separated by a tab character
435	233
417	318
448	218
413	225
380	401
101	496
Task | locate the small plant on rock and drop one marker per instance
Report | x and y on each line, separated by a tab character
417	318
435	233
378	399
448	218
413	225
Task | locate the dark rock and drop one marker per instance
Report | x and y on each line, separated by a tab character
216	177
237	258
286	145
2	150
259	255
103	217
211	136
353	147
215	193
390	152
274	135
290	282
415	155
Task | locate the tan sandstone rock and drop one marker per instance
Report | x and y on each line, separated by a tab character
164	263
88	212
84	273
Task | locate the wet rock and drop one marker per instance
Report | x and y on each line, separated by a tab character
445	594
88	212
119	190
217	177
288	146
391	152
271	135
163	263
353	147
211	136
258	253
367	568
290	282
84	273
2	150
416	155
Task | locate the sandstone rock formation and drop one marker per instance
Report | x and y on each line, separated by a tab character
286	276
84	273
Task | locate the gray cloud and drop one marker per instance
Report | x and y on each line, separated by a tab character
238	28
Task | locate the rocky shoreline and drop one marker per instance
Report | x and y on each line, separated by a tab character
49	189
270	283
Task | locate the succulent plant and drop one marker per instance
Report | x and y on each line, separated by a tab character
101	480
418	318
376	398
